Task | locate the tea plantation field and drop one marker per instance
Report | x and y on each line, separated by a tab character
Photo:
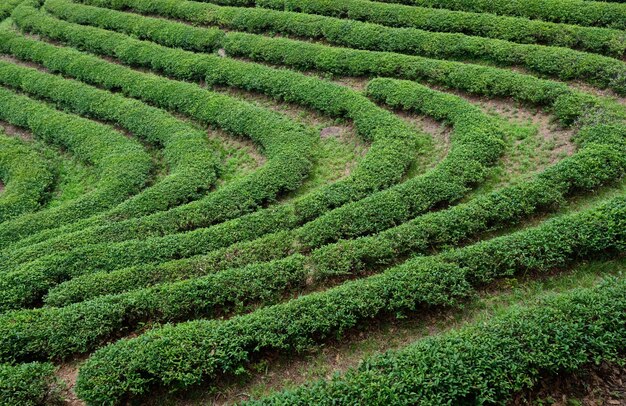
310	202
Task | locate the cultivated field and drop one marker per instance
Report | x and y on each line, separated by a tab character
312	202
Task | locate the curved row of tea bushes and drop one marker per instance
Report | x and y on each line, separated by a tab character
24	285
123	165
286	144
601	159
605	41
188	353
579	12
267	248
388	133
476	144
46	332
562	63
479	79
27	384
13	289
59	332
599	162
569	106
391	152
525	87
192	164
26	176
6	8
475	79
486	362
167	33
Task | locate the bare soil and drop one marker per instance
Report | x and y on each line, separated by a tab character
14	131
67	373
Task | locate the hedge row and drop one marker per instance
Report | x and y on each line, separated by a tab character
561	87
188	353
484	80
605	41
6	8
579	12
286	144
391	151
486	362
122	163
569	106
476	79
9	280
26	176
24	285
563	63
59	332
30	384
170	34
267	248
191	162
388	133
79	328
600	162
596	165
477	143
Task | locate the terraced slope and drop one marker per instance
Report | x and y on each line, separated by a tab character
191	190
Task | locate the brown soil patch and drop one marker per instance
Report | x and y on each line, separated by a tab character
327	127
594	385
67	373
439	132
331	131
355	83
14	131
548	130
518	114
238	143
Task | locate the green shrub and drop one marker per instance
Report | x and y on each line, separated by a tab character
563	63
580	12
26	176
181	355
486	362
384	165
27	384
185	149
605	41
286	144
122	164
60	332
